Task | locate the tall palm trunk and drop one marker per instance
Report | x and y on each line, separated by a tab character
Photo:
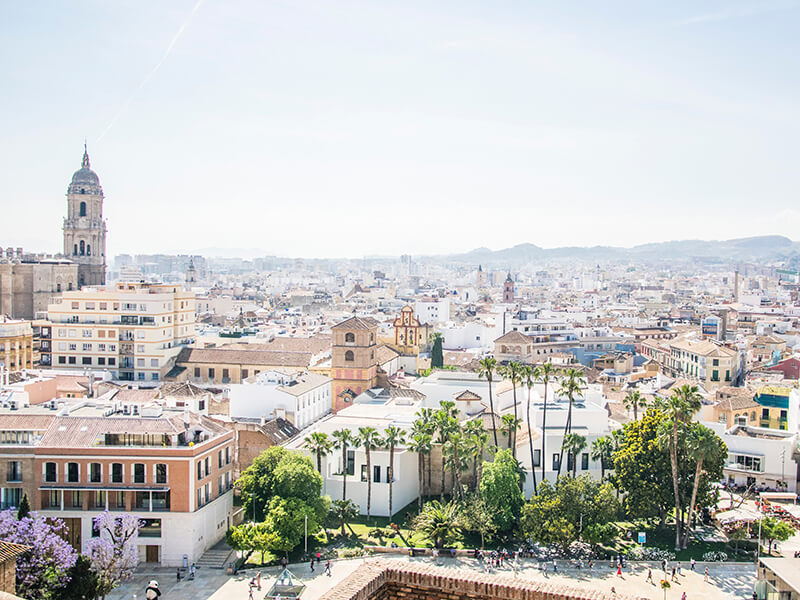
567	430
689	516
530	441
369	482
319	462
391	478
421	470
444	470
544	431
344	472
675	487
514	446
430	469
491	408
475	473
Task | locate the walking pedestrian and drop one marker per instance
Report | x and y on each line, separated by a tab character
679	569
312	565
555	566
673	578
591	565
650	576
619	569
664	565
318	557
258	580
683	596
251	597
705	576
692	564
328	568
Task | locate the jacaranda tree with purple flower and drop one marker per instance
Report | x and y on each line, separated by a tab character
113	552
42	571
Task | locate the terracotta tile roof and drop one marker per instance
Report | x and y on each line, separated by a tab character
357	323
384	354
315	345
234	356
10	551
181	390
514	337
467	396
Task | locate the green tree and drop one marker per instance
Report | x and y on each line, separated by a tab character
546	373
478	443
446	423
774	530
24	509
476	516
487	368
679	407
500	489
343	511
257	481
369	439
510	424
572	384
285	525
574	444
241	537
392	437
343	439
634	401
439	522
425	423
319	444
706	449
83	583
603	451
437	355
455	449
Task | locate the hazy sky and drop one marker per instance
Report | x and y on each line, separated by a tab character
343	128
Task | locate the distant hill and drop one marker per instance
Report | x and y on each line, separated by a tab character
773	247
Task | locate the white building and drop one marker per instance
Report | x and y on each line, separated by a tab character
300	397
432	310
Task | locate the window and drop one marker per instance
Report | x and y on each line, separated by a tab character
199	469
138	473
351	462
349	356
376	473
715	375
11	497
349	338
14	471
87	333
116	473
208	465
211	373
556	459
50	473
570	461
765	413
225	373
101	360
112	361
62	360
71	360
101	347
73	472
364	473
82	212
161	473
86	360
154	362
585	461
219	459
537	458
244	374
227	455
95	472
197	371
73	347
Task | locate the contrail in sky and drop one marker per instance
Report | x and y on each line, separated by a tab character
153	71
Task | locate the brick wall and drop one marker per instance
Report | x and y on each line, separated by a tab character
8	576
393	580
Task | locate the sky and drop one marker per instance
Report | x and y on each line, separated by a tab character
344	128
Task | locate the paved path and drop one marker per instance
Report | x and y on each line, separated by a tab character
726	581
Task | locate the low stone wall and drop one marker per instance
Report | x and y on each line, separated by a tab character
382	580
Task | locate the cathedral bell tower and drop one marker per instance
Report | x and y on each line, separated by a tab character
84	225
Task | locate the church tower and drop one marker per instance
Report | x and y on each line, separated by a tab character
508	290
84	226
354	367
191	275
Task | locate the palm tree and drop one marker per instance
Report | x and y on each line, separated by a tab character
342	440
392	436
439	522
421	444
634	401
344	511
445	425
487	368
574	444
530	375
478	443
369	439
426	423
546	374
602	450
319	444
453	448
571	385
510	424
513	372
679	407
703	446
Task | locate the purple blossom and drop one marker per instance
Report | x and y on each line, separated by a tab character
113	552
42	571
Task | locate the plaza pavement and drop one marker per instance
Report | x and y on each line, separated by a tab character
727	581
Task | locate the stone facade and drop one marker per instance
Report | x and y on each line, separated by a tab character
354	363
388	580
29	283
85	227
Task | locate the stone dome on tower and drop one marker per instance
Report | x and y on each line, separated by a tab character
84	180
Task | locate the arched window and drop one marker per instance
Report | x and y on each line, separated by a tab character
75	249
83	191
349	338
58	287
83	247
88	250
69	286
349	356
83	209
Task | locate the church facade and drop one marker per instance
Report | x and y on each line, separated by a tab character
85	227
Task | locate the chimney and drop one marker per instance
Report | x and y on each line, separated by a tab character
186	417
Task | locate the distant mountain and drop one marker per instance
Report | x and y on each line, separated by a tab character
773	247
